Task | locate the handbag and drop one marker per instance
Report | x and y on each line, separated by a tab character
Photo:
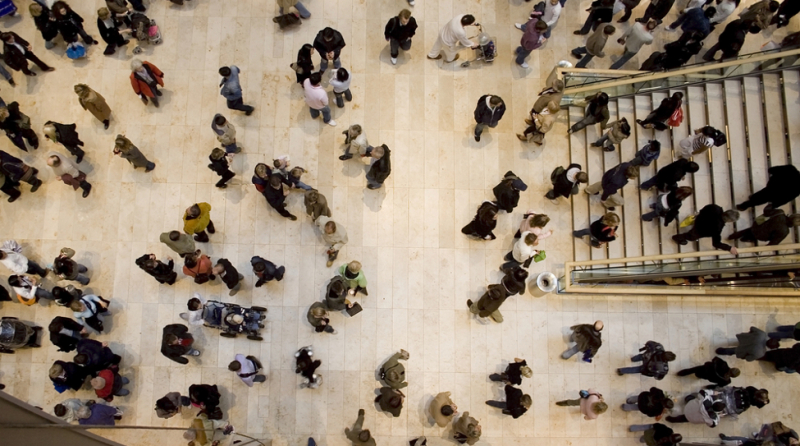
76	50
297	68
688	221
676	119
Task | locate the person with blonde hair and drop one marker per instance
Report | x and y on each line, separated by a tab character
108	25
65	135
145	80
514	373
124	148
354	278
516	404
601	231
94	102
540	123
318	318
46	24
218	163
591	403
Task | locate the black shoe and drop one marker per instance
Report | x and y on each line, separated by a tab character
13	199
577	33
249	112
222	186
369	186
11	81
346	157
105	124
469	303
612	208
477	138
79	159
608	149
35	187
576	55
292	217
158	93
86	192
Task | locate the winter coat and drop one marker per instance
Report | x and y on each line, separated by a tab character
773	229
488	305
546	96
507	197
11	167
480	226
668	176
95	103
13	56
335	45
784	358
199	224
226	134
715	371
514	372
163	272
47	27
315	322
271	271
99	357
74	375
336	302
562	186
485	115
380	169
783	184
653	362
615	133
66	134
758	14
316	204
176	352
752	345
596	42
230	275
587	338
614	180
69	25
709	223
395	30
140	87
651	403
514	405
132	154
462	427
110	35
65	342
219	166
665	109
435	409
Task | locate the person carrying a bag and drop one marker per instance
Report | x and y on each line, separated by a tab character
87	310
655	361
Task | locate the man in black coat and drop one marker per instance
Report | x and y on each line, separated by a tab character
488	113
380	167
398	32
177	342
108	25
709	222
66	135
514	280
506	193
13	168
276	196
717	371
613	181
164	273
657	9
783	186
772	227
266	270
731	40
787	10
95	356
17	52
516	404
65	333
17	126
668	176
651	403
600	11
785	359
329	44
67	374
565	181
225	270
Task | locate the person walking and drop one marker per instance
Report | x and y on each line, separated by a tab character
596	112
334	235
390	400
488	112
489	304
533	37
67	172
657	9
567	181
786	11
226	133
67	269
653	403
380	166
786	332
731	40
17	52
66	135
276	195
594	46
10	187
618	131
507	192
539	124
772	227
443	409
317	316
759	14
484	222
65	333
95	356
513	373
467	429
124	148
516	403
601	231
15	171
637	36
196	219
709	222
317	98
784	359
783	186
668	205
655	361
182	244
717	371
266	271
232	90
752	345
393	372
229	275
514	280
198	266
703	139
93	102
647	154
177	342
340	81
304	65
591	403
145	80
305	367
695	20
109	25
247	368
11	257
451	36
600	11
87	310
171	404
523	252
17	126
316	205
613	181
218	163
358	435
329	44
587	338
163	272
657	118
285	5
666	179
398	32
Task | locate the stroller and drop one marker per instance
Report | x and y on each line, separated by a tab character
486	51
144	29
233	319
17	334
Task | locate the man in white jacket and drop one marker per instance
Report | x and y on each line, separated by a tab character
334	236
18	263
451	36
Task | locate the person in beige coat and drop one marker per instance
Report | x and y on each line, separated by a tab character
553	93
94	102
442	409
357	435
540	123
316	204
594	46
618	131
334	235
284	5
467	430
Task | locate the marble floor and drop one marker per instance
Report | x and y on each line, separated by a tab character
421	269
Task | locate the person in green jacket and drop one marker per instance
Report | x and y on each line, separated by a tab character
354	277
393	373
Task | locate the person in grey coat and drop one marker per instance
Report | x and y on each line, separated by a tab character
232	89
752	345
126	150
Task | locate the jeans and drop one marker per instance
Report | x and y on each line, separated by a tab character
232	148
726	351
522	54
497	404
238	104
626	56
629	370
479	128
339	100
323	65
783	331
326	113
42	293
572	351
225	177
590	23
3	72
32	57
34	268
583	233
658	211
304	13
640	427
583	123
371	181
605	143
395	46
498	377
302	185
581	51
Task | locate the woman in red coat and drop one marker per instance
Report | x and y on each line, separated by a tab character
145	80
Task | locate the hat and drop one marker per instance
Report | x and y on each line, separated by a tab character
517	183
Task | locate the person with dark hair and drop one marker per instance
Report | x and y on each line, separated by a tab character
658	434
442	409
655	361
226	134
522	253
533	37
17	125
177	342
64	296
782	187
647	154
516	404
266	271
170	404
539	124
451	36
695	20
587	338
340	81
218	163
65	333
206	397
198	266
731	40
18	263
759	15
229	275
657	9
276	195
618	131
67	269
657	118
717	371
488	112
95	356
305	367
666	179
380	166
393	373
246	368
17	52
668	205
772	227
398	32
28	289
738	399
357	435
513	373
232	90
196	219
638	35
784	359
601	231
612	182
336	294
787	10
94	102
600	11
514	280
88	309
317	98
489	304
507	192
15	170
483	223
164	273
70	24
65	135
591	403
182	244
567	181
67	410
594	46
596	112
703	139
709	222
67	375
329	44
390	400
304	65
652	403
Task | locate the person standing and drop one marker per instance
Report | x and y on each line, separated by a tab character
67	375
316	204
442	409
516	404
284	5
232	89
587	338
246	368
164	273
380	166
329	44
317	98
566	181
66	135
354	277
638	35
467	429
304	65
28	289
717	371
109	384
226	133
196	219
95	356
15	170
177	342
613	181
17	126
450	36
709	222
94	102
533	37
357	435
507	192
594	46
182	244
65	333
87	310
67	172
782	187
226	271
334	235
17	52
124	148
340	81
218	163
46	24
108	25
266	271
70	24
276	195
488	112
198	266
655	361
67	269
145	80
390	400
317	316
398	32
553	93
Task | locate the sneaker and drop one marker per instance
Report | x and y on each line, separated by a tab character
195	352
524	65
394	61
411	2
184	316
331	123
518	26
292	218
329	263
